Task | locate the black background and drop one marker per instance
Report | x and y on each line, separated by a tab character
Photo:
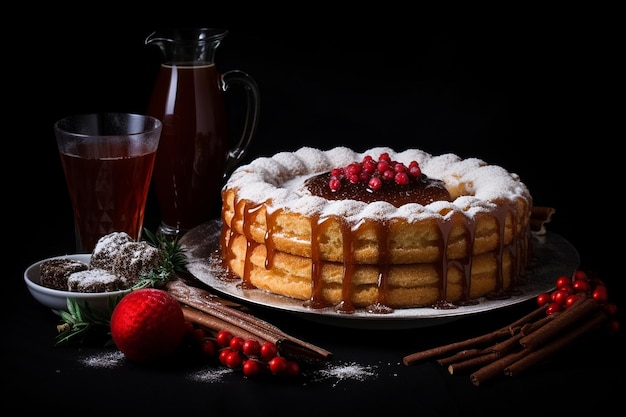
532	90
533	93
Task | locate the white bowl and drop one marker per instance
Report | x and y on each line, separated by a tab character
57	299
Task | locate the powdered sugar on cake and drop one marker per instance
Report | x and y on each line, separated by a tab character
279	181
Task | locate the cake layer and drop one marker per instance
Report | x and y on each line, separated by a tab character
406	239
397	286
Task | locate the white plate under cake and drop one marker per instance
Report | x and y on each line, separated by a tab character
553	256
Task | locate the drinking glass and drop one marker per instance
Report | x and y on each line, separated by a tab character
108	159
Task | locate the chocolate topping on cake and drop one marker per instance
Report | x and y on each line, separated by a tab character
423	190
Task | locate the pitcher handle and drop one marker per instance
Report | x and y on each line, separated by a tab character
237	77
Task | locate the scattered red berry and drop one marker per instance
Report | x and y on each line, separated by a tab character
571	299
559	296
600	294
278	365
198	334
209	348
252	368
236	343
223	355
268	350
563	282
251	347
543	299
553	308
581	285
223	338
571	289
580	274
233	359
247	356
293	369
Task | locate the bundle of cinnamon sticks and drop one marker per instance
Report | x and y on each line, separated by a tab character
212	312
513	349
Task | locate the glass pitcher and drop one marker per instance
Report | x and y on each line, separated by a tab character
194	153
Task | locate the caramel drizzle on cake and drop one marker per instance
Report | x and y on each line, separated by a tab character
517	250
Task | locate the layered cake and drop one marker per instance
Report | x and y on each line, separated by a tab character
377	230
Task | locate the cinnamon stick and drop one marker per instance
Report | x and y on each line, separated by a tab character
213	323
484	356
249	323
438	351
504	347
527	341
556	345
203	301
563	321
442	350
460	356
472	363
538	312
528	328
496	367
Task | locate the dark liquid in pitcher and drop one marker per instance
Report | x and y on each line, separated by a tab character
190	161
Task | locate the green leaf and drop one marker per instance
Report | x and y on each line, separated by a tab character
81	320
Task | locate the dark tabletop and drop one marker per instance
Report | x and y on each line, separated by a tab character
523	95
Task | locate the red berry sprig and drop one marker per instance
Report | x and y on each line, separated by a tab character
570	289
374	173
249	356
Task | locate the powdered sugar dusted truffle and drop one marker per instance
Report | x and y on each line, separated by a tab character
135	259
54	272
94	280
105	252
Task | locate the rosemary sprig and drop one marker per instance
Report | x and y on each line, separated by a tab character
81	320
174	261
